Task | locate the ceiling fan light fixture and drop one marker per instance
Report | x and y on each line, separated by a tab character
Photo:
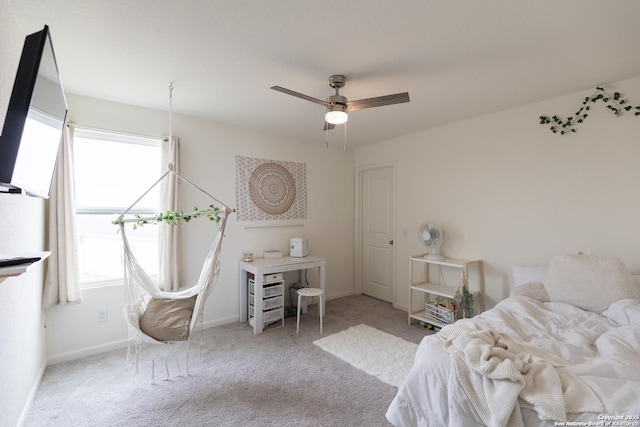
337	105
336	115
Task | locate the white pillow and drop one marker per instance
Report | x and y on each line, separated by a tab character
590	282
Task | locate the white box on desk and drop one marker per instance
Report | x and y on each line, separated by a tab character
272	254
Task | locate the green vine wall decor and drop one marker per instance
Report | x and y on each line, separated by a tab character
615	103
172	217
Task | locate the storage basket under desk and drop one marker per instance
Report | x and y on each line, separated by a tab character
272	299
268	303
268	291
269	316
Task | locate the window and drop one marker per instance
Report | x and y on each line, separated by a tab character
111	171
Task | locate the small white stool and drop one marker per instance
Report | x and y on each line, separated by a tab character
310	292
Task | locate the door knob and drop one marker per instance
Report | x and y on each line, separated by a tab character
391	242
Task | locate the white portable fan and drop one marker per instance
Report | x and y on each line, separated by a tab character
430	235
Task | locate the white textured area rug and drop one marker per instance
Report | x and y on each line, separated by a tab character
387	357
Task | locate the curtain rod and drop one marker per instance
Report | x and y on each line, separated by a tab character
96	129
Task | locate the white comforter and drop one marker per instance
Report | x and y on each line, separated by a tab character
603	351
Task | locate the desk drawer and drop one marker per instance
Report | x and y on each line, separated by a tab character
267	291
268	303
301	266
271	278
267	278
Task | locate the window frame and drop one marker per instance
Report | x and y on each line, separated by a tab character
123	138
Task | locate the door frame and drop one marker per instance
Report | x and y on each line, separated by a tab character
358	225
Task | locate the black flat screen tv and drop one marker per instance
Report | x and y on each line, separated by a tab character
35	120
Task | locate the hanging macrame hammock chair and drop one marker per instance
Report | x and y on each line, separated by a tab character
141	293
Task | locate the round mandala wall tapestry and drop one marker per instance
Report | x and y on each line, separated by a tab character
272	188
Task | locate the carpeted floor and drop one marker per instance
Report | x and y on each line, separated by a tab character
276	378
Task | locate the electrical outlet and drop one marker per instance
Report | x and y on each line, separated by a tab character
102	315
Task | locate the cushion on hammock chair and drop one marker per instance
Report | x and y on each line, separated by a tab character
168	319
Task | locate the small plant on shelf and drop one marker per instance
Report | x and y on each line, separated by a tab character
464	299
467	303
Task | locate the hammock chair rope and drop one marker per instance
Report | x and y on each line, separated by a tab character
140	289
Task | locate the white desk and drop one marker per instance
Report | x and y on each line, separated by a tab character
261	266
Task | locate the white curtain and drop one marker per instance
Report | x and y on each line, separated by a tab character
170	262
61	284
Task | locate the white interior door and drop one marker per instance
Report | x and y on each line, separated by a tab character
377	225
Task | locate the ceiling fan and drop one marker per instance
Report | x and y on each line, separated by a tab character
338	105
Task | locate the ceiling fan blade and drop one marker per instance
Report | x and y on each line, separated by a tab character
378	101
328	126
300	95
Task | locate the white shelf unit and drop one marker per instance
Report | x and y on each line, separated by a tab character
424	290
272	304
16	270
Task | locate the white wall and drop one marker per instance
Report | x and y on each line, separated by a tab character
22	333
509	192
504	189
22	336
208	158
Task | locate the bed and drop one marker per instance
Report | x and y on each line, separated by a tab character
563	349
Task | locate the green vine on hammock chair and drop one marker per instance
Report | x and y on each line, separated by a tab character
615	103
172	217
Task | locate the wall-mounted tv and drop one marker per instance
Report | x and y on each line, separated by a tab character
35	120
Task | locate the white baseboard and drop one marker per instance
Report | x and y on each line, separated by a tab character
115	345
219	322
84	352
340	295
32	395
403	307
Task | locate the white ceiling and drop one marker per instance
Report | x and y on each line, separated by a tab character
456	58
